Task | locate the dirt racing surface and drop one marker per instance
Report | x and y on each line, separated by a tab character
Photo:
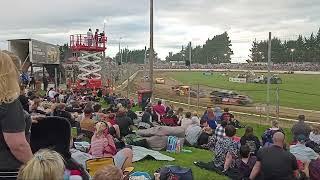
165	91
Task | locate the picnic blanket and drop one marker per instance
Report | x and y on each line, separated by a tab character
140	153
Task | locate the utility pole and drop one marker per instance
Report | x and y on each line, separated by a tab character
190	51
183	55
269	75
120	51
128	74
145	64
151	46
278	103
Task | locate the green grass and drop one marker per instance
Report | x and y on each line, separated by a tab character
187	159
304	84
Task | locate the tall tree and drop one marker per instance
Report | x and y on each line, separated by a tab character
215	50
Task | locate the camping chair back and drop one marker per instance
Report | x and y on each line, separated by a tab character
53	133
93	165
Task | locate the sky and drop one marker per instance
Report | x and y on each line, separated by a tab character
176	22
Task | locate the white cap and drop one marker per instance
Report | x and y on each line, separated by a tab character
75	177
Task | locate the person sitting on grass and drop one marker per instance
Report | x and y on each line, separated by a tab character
267	137
87	123
146	119
98	115
210	118
300	128
132	115
226	151
245	163
124	122
170	119
315	134
160	110
195	118
250	140
179	114
187	121
301	152
219	131
102	145
226	115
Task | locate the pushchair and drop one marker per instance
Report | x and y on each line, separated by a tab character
55	133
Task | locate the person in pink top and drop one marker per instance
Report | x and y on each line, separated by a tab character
159	109
102	145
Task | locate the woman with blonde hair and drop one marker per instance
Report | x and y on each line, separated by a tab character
14	127
46	164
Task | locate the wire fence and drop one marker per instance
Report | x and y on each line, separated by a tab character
283	102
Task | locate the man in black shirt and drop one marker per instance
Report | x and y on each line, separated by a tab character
274	163
124	122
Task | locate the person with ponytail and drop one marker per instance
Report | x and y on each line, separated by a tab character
102	145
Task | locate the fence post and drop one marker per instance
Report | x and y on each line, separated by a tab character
278	103
189	98
198	98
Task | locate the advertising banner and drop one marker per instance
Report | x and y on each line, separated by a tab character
238	80
44	53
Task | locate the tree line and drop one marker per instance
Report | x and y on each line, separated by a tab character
133	56
216	50
303	49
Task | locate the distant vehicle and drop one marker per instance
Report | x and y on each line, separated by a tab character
274	79
289	72
185	90
160	81
208	73
229	98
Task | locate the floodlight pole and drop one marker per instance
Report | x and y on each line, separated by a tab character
269	76
190	51
151	47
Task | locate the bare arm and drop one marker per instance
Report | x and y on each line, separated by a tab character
255	171
228	161
18	146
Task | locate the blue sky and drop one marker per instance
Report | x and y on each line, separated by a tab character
176	21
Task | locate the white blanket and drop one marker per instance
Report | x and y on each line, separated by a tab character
139	153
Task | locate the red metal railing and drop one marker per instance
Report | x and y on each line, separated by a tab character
82	42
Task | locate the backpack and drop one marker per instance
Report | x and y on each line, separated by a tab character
314	169
175	173
173	144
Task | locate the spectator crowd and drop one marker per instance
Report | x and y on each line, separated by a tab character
245	66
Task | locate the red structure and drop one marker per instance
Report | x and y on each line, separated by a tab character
81	42
88	52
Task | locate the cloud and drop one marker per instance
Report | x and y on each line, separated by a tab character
176	21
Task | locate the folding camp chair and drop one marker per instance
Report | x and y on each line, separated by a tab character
93	165
55	133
